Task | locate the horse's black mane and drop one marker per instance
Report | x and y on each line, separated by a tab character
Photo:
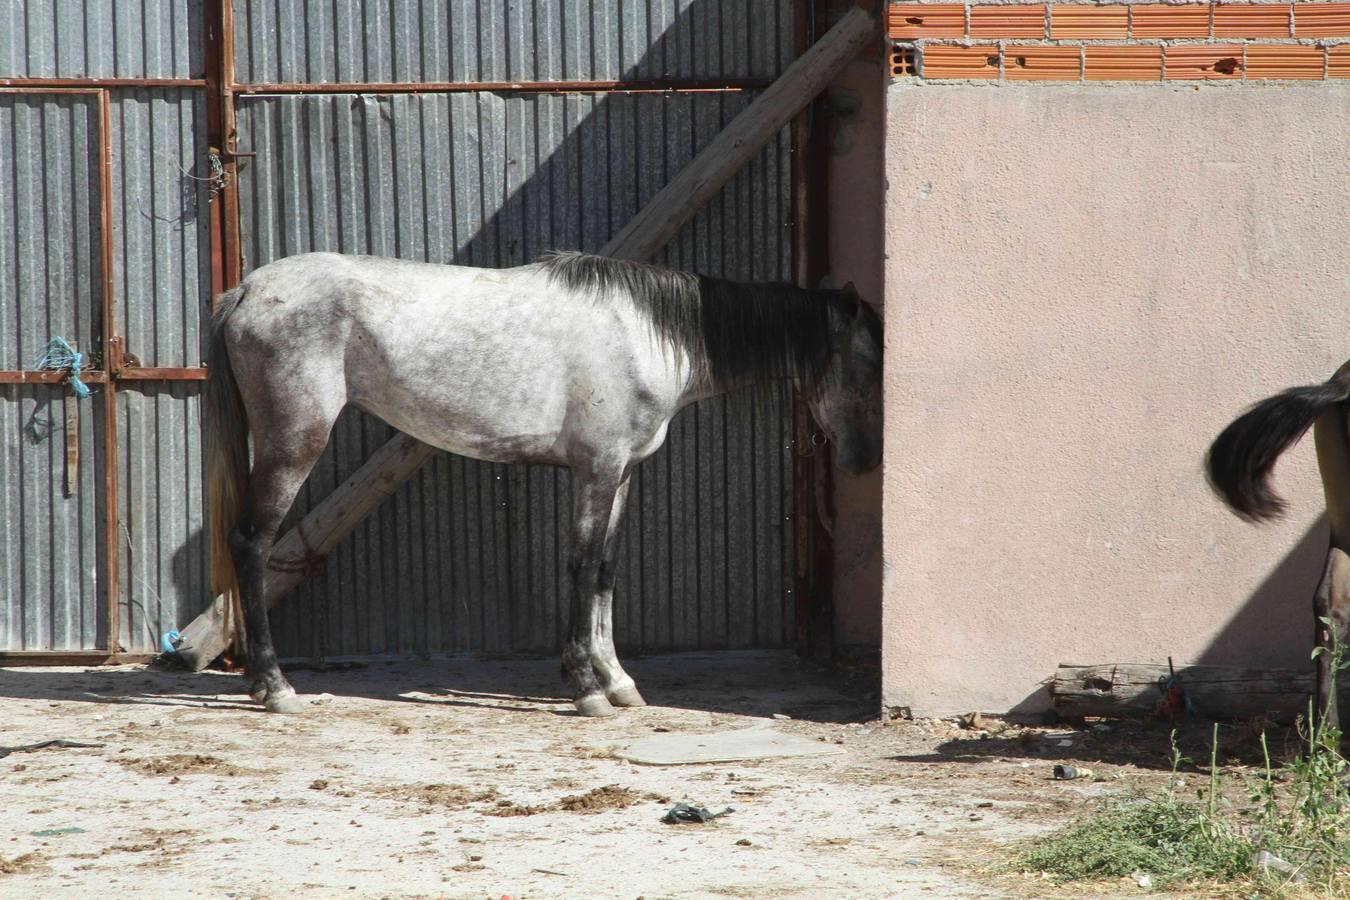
737	331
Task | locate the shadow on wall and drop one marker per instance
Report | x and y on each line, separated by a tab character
1281	605
1276	621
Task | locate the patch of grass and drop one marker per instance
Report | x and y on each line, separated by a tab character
1298	812
1171	840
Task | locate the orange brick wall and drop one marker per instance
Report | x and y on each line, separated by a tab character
1119	41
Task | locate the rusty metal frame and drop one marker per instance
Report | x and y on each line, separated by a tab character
719	85
813	474
116	364
51	85
112	348
107	342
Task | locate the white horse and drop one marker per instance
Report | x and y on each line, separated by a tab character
576	360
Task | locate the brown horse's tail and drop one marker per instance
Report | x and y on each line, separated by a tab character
1242	456
226	463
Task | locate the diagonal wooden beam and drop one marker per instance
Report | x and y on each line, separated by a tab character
734	146
300	549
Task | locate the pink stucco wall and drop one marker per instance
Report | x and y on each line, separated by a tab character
1083	285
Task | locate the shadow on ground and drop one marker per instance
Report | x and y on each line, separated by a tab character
755	683
1144	745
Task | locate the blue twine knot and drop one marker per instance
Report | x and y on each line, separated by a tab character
168	642
60	355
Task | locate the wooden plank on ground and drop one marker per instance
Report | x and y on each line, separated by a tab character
1133	690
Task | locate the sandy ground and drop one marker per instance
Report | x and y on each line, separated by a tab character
472	778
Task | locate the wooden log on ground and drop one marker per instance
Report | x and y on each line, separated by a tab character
660	220
1133	690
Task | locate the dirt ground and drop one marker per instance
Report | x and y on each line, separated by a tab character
472	778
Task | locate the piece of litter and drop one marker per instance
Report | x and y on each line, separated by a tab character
1069	773
1142	879
684	814
52	832
322	698
781	717
1266	861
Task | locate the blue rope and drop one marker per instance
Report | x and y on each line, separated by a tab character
60	355
168	642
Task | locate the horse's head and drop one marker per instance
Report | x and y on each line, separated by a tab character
846	401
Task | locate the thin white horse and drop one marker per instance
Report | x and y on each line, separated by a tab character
579	361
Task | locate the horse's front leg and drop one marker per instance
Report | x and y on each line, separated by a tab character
595	494
618	685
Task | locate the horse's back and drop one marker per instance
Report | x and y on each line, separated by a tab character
493	363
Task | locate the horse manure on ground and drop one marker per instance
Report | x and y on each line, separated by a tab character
184	764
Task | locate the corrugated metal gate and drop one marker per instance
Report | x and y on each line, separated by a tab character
472	133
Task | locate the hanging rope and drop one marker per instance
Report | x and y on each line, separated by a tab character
60	355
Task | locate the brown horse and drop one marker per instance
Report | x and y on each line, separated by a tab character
1239	466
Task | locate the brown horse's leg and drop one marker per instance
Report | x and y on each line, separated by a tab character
1332	604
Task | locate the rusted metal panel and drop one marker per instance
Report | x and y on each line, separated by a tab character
362	41
50	226
509	146
50	590
122	39
51	285
470	555
161	186
162	548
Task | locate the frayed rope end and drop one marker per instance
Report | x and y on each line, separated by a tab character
60	355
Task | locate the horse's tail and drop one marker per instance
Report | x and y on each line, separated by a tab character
1242	456
226	463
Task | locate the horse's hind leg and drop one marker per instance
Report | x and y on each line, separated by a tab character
594	501
1332	603
617	684
273	483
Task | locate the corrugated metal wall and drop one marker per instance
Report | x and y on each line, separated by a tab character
467	556
51	556
49	237
101	39
348	41
473	555
162	281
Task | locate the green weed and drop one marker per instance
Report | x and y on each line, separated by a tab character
1297	812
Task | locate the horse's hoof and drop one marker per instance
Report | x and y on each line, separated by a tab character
288	704
594	706
626	696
